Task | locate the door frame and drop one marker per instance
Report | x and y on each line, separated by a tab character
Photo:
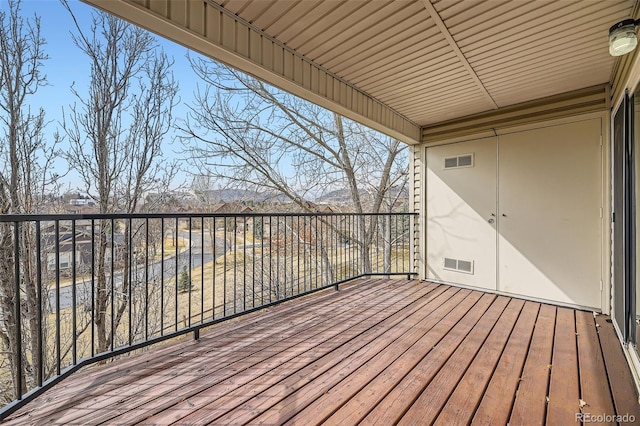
631	83
623	232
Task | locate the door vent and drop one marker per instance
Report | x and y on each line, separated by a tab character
450	263
458	265
460	161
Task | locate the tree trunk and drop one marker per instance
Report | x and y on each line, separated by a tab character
102	294
28	260
386	241
8	299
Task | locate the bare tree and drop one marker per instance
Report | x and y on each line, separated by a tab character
253	136
116	132
25	157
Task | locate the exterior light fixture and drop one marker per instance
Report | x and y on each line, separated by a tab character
622	37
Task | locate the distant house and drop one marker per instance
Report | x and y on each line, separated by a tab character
84	241
82	202
88	208
239	223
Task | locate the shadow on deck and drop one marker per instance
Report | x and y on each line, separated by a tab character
377	351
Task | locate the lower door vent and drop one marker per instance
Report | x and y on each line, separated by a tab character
458	265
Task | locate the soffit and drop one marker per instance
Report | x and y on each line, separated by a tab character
434	61
400	66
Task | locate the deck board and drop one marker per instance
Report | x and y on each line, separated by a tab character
433	398
564	395
594	386
530	406
288	340
229	350
359	404
375	352
310	402
625	397
469	390
497	399
377	375
398	401
208	407
230	338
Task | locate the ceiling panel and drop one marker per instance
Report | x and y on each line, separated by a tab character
434	61
403	62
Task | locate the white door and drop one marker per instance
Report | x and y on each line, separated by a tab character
461	213
550	190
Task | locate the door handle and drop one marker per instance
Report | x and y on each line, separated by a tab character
491	221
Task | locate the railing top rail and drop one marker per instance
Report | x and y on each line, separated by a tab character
102	216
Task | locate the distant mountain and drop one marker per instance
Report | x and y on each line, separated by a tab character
343	196
229	195
339	196
336	197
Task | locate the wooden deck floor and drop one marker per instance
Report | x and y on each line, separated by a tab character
377	351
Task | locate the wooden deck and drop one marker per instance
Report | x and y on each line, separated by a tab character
377	351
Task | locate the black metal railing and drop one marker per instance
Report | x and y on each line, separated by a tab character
78	289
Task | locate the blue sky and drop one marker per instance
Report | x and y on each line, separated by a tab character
67	65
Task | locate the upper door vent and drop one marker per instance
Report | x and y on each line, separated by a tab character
459	161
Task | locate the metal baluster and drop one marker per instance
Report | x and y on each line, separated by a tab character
113	255
93	286
285	272
162	276
244	263
253	265
130	292
201	269
270	258
190	270
146	280
18	312
175	281
224	269
40	351
235	263
74	325
57	256
213	247
298	251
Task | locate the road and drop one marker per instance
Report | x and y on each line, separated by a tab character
166	267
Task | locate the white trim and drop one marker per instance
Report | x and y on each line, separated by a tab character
632	81
518	296
550	123
536	124
633	359
423	213
458	139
